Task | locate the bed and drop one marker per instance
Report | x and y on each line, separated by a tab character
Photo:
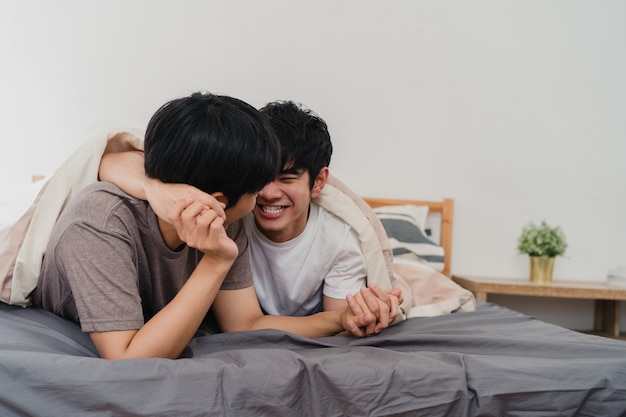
483	361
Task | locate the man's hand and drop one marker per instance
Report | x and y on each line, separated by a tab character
163	198
355	319
372	310
202	228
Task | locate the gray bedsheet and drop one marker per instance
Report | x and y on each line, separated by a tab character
492	362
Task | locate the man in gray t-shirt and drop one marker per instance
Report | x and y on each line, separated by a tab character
141	285
109	243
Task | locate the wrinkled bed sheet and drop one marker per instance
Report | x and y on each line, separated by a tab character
491	362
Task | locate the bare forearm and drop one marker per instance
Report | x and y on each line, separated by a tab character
326	323
170	330
125	169
167	333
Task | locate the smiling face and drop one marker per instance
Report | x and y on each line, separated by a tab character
282	206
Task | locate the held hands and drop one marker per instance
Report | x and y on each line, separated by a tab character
201	226
163	197
371	310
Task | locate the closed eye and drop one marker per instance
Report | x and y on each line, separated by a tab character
289	178
290	175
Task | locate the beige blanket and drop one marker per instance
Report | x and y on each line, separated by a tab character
23	245
426	292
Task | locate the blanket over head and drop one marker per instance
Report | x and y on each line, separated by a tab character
22	246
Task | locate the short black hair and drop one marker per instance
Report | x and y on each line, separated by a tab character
213	142
303	135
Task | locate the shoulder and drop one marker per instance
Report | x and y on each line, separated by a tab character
99	203
327	219
102	191
334	231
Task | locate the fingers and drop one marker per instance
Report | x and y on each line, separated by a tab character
388	315
208	218
378	306
394	297
366	320
176	216
213	203
386	321
375	309
355	307
195	222
193	195
398	293
362	322
383	310
200	224
197	215
395	291
379	293
354	329
166	198
393	310
371	301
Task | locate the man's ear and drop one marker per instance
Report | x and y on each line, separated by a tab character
219	196
320	182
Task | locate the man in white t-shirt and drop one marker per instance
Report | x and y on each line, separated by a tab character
304	259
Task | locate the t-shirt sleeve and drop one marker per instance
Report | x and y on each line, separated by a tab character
100	268
349	271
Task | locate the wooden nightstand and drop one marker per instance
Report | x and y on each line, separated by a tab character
607	298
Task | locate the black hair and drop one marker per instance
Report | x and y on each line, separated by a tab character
303	135
215	143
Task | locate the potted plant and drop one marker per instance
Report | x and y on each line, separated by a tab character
542	244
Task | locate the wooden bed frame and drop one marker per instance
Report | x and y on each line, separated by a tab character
446	210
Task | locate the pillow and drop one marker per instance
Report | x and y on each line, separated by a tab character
405	226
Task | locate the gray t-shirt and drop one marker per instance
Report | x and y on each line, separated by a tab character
107	267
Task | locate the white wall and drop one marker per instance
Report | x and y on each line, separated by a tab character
516	109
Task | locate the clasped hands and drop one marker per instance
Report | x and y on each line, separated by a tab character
371	310
199	218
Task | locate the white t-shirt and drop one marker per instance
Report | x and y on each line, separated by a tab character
290	277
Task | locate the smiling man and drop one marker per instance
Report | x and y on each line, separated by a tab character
304	259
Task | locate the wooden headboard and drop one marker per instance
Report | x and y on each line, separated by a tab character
446	210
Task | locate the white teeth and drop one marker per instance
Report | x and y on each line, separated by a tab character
272	209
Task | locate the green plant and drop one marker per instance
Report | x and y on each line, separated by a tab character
542	240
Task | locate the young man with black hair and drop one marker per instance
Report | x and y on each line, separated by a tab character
141	284
304	259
